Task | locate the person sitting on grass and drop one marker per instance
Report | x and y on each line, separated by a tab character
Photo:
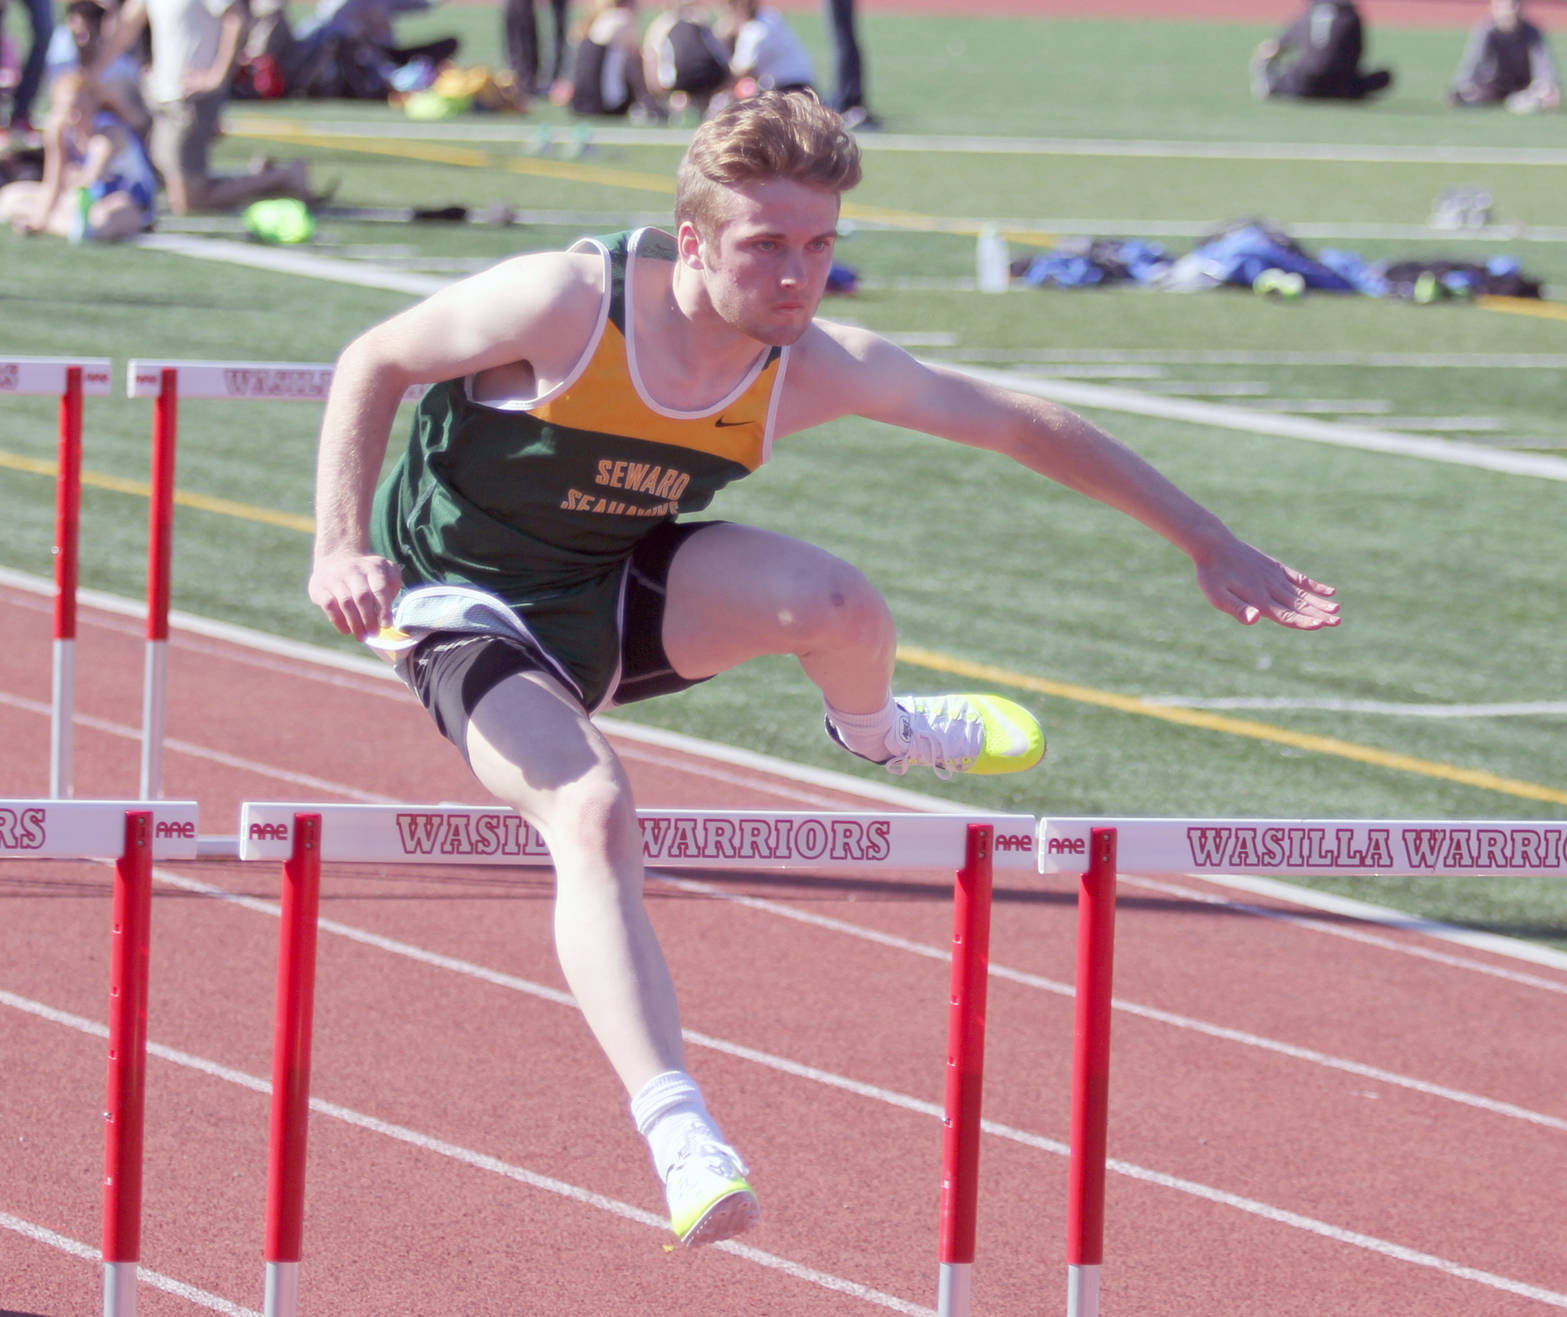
768	56
685	61
195	47
1507	62
97	181
1327	42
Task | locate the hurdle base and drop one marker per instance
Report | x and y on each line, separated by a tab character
1082	1291
954	1288
119	1289
282	1297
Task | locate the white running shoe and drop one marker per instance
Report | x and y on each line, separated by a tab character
952	734
709	1197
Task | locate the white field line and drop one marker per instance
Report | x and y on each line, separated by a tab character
1456	424
1085	395
1327	406
1227	357
281	261
467	1156
1287	427
144	1275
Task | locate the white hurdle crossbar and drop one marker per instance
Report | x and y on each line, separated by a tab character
671	839
1301	847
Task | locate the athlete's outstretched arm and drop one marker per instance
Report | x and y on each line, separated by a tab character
855	372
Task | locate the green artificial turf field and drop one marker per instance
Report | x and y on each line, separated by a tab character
1442	694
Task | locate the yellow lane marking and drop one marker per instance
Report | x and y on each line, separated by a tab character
1524	306
1325	745
182	498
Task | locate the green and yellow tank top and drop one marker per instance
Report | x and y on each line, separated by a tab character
540	501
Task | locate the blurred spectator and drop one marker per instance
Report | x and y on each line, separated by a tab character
1507	62
1329	38
521	30
97	181
40	15
685	62
76	46
344	48
195	45
606	64
767	52
849	98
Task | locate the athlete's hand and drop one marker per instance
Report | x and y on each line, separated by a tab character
355	591
1247	584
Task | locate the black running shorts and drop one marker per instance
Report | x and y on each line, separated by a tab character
451	671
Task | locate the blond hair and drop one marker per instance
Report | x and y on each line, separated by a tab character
772	135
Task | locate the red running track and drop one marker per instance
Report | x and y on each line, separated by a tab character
1309	1115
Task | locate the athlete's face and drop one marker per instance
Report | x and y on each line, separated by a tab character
766	263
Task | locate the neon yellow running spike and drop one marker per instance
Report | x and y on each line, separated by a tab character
950	734
709	1198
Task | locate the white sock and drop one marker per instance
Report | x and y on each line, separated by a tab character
668	1111
866	734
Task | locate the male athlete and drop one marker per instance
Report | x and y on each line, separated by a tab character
529	561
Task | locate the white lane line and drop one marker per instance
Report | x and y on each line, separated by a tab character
306	781
481	1161
1158	1016
144	1275
469	1157
939	954
1319	925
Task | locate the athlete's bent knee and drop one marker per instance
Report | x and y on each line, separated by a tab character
841	610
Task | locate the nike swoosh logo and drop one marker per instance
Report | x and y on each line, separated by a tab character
1018	735
724	425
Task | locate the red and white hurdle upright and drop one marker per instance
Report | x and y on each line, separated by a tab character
133	834
305	836
167	383
70	379
1095	849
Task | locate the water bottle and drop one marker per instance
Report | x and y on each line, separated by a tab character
992	261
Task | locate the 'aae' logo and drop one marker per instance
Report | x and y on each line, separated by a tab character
1066	846
269	832
1014	841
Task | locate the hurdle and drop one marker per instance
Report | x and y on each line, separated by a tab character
71	379
304	836
1097	849
167	382
133	834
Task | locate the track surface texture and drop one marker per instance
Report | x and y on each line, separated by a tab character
1308	1115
